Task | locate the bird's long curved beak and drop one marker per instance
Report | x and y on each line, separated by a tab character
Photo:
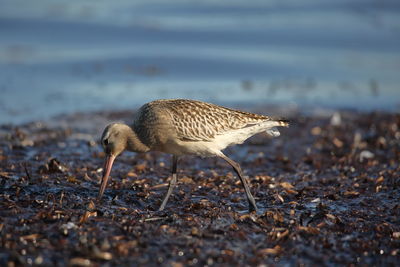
106	174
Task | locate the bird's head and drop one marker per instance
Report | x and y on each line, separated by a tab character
114	141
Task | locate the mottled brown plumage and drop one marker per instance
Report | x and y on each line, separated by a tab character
199	121
183	127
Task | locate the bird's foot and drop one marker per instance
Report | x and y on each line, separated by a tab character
252	208
161	208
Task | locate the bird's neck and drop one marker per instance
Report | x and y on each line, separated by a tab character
133	142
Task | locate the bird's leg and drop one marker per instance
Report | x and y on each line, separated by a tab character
172	183
236	168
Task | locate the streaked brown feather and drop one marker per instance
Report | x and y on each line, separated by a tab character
199	121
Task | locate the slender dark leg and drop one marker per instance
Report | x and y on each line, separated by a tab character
236	168
172	183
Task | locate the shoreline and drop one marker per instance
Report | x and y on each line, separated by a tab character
78	119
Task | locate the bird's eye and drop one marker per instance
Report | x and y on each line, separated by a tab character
105	142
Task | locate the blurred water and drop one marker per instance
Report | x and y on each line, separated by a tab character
67	56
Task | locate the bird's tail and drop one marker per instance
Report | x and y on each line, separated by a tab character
273	131
283	122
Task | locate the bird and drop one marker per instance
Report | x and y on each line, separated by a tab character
185	127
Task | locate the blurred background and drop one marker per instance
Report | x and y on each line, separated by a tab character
60	57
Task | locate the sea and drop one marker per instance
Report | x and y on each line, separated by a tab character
62	57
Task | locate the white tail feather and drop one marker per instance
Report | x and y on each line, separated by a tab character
274	132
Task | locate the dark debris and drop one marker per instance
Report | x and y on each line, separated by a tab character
328	193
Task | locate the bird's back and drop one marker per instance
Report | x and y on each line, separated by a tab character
157	122
200	121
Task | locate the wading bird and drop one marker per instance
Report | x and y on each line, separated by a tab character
185	127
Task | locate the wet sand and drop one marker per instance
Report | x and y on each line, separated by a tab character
327	190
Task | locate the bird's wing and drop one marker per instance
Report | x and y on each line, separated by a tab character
199	121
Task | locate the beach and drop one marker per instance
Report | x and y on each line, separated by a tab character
327	191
